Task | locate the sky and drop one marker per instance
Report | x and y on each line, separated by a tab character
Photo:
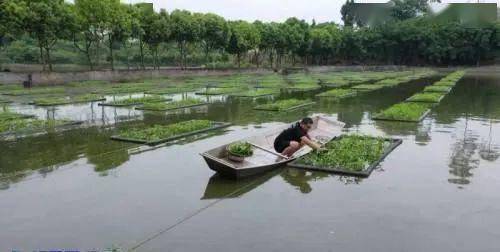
269	10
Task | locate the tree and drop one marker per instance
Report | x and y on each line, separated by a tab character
157	32
42	20
91	23
185	30
214	33
117	27
244	37
406	9
347	12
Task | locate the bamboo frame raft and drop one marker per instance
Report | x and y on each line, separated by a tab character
215	126
365	173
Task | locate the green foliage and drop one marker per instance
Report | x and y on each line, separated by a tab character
257	93
159	132
53	101
240	149
6	116
162	106
171	90
338	93
438	89
33	91
426	97
350	153
20	125
219	91
368	87
284	105
410	111
136	101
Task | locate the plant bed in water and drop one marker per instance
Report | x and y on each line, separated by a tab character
303	87
7	116
405	112
338	93
19	126
368	87
445	83
165	133
219	91
284	105
349	154
63	101
33	91
437	89
135	101
162	106
426	97
256	93
172	90
4	101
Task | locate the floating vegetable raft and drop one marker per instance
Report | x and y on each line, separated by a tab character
285	105
162	106
6	116
219	91
405	112
166	133
257	93
426	97
65	101
33	91
338	93
438	89
349	154
172	90
32	126
135	101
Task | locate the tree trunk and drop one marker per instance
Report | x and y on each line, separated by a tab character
110	41
47	52
141	47
42	58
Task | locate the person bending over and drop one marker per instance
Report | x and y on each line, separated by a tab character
292	139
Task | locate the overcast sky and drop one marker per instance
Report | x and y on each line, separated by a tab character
267	10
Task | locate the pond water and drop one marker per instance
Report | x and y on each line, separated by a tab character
437	192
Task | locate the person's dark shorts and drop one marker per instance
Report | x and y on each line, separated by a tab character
280	146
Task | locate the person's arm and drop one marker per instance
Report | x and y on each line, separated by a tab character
308	142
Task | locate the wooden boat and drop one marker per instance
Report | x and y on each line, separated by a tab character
264	157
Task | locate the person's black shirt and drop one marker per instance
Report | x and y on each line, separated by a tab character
294	133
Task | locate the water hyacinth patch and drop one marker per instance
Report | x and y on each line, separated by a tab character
163	133
284	105
426	97
350	153
338	93
406	112
438	89
162	106
135	101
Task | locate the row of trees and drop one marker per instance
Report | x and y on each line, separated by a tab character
92	25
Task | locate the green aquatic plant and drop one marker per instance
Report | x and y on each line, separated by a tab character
409	111
136	101
257	93
368	87
159	132
284	105
172	90
6	116
240	149
438	89
33	91
338	93
349	153
219	91
162	106
426	97
53	101
19	125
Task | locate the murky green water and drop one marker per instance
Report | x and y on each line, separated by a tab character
436	192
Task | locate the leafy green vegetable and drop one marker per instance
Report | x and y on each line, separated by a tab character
350	153
219	91
437	89
136	101
368	87
6	116
159	132
283	105
240	149
172	90
256	93
33	91
426	97
409	111
162	106
28	124
338	93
